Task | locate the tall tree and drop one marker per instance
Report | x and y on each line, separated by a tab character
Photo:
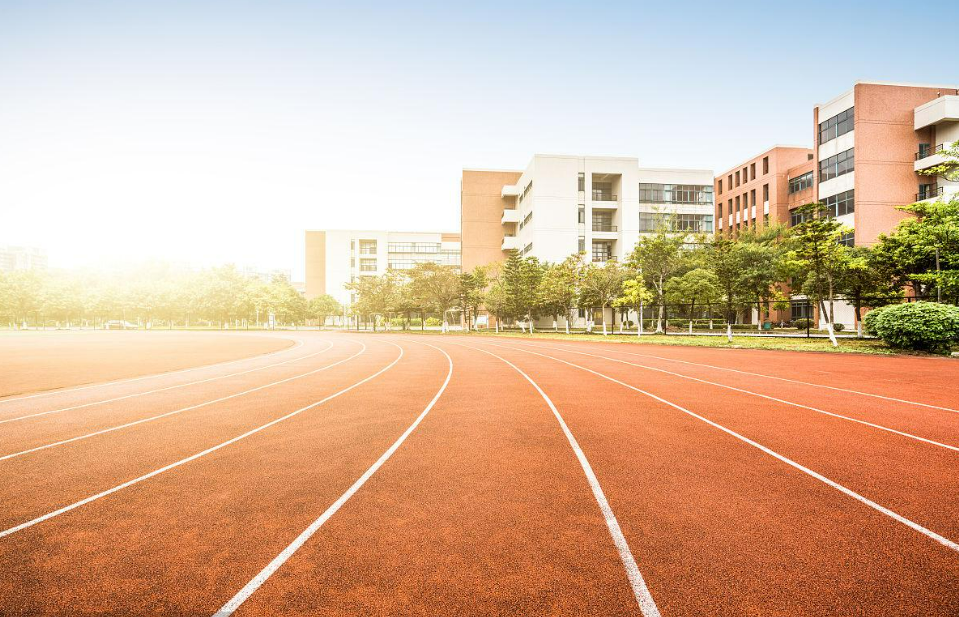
600	286
634	295
558	288
866	282
439	288
323	307
698	286
659	257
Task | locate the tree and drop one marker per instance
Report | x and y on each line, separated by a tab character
699	285
323	307
764	267
558	288
600	286
866	282
726	259
472	286
818	259
373	295
521	280
658	257
633	295
438	287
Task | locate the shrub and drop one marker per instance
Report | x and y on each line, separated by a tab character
803	323
838	327
433	321
925	326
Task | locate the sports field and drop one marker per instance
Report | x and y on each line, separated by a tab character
314	473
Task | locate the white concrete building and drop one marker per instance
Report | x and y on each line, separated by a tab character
22	258
600	205
335	258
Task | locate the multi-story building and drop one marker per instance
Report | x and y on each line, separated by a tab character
336	258
869	145
22	258
562	205
761	191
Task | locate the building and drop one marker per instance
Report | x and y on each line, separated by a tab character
335	258
265	275
22	258
869	144
562	205
761	191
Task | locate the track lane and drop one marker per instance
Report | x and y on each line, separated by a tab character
914	479
49	432
33	486
29	350
713	512
484	511
180	543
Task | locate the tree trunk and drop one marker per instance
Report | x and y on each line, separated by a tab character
566	317
604	320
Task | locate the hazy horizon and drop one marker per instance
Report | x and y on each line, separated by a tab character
220	132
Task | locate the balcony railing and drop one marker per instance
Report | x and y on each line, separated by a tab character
603	196
932	191
929	151
604	227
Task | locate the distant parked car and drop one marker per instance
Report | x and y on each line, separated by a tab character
116	324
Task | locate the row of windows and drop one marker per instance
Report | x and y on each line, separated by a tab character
602	251
414	247
840	124
675	193
801	183
528	248
744	176
526	220
447	258
836	165
526	191
742	201
689	223
367	265
745	224
367	247
841	203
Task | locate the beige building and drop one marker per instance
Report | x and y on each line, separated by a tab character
22	258
335	258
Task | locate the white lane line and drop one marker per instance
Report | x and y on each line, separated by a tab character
796	381
851	493
257	581
190	408
751	393
156	472
299	343
640	591
165	389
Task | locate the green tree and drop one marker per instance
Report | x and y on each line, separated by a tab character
438	287
634	295
472	286
521	280
659	257
727	260
866	282
558	288
698	286
322	307
600	286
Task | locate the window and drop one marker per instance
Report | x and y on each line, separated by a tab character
840	124
745	175
720	210
525	192
688	223
602	251
413	247
730	206
528	248
847	239
603	191
795	218
653	193
581	183
800	309
737	203
603	220
800	183
368	247
729	181
582	245
581	215
752	170
367	265
765	220
836	165
753	196
840	204
737	178
765	165
765	192
720	185
526	220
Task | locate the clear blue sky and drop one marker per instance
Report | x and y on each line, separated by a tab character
218	131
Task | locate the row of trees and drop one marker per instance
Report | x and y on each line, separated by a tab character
697	277
155	293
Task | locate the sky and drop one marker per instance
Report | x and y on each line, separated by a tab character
217	132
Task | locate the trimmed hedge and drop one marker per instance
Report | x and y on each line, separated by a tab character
922	326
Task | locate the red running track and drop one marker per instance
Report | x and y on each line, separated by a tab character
429	475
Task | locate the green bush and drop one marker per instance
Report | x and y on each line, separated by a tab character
924	326
803	323
433	321
838	327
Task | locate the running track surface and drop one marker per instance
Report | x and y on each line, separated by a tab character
348	474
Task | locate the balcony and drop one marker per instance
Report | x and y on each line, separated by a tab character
605	227
930	156
928	191
510	216
511	243
600	195
511	190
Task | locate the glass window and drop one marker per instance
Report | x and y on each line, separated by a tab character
836	165
800	309
765	165
581	216
765	192
847	239
841	203
800	183
581	183
367	265
367	247
675	193
688	223
840	124
602	251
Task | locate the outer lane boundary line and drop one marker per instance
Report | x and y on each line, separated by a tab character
946	542
257	581
193	457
